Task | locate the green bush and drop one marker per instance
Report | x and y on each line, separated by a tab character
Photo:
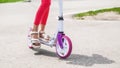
91	13
5	1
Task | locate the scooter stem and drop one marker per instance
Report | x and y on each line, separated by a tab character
60	8
60	23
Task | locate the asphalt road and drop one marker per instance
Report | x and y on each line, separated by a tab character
96	44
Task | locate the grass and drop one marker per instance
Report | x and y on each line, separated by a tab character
91	13
6	1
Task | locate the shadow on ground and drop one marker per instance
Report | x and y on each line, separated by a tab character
85	60
77	59
45	52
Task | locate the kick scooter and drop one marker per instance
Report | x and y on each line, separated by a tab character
60	41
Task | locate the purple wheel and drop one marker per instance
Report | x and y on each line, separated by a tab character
67	47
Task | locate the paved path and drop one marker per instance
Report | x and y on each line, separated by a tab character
96	44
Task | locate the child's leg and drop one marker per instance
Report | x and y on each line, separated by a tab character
43	23
45	4
45	17
44	20
41	17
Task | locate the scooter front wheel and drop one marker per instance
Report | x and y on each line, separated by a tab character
67	47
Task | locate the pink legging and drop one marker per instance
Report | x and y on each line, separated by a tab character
42	13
